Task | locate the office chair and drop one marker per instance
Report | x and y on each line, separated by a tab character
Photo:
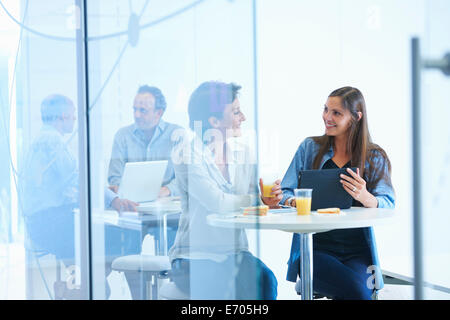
153	268
316	295
170	291
58	284
320	296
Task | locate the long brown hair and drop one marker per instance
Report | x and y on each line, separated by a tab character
359	143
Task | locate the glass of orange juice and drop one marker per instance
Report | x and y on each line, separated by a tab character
303	201
267	189
268	183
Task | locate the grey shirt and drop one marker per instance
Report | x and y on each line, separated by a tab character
130	146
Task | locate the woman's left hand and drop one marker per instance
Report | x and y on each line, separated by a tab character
356	187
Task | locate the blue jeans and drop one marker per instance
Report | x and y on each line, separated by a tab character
241	276
341	278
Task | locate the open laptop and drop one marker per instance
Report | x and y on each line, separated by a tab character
328	191
141	181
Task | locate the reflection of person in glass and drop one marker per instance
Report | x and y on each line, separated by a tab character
50	185
211	262
51	181
343	259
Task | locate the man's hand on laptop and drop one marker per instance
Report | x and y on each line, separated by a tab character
164	192
121	205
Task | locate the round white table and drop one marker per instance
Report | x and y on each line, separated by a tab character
306	226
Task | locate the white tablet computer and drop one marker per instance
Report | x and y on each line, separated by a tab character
141	181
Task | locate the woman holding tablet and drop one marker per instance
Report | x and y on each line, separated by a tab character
345	259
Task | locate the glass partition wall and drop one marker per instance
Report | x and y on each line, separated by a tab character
125	123
111	145
171	130
435	172
40	243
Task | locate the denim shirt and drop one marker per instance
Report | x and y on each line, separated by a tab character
303	160
130	146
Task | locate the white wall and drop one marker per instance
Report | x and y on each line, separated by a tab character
175	55
306	49
309	48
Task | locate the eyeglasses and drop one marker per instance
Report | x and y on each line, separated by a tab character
141	110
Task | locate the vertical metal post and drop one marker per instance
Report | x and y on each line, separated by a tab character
83	149
161	246
255	82
416	159
418	63
165	235
255	97
306	266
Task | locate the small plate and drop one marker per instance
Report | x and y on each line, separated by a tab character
315	213
283	210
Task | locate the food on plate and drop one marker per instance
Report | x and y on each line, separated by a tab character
329	210
256	211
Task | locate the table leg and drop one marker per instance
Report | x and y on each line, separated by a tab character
165	234
161	243
306	266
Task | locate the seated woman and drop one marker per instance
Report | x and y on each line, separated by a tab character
343	259
210	262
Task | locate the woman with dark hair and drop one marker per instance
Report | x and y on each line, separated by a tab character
343	259
213	177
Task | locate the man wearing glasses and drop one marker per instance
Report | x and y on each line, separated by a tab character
149	138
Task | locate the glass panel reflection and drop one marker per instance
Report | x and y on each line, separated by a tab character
50	189
154	98
436	155
216	176
39	152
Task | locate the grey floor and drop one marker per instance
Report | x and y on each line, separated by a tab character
406	292
395	292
